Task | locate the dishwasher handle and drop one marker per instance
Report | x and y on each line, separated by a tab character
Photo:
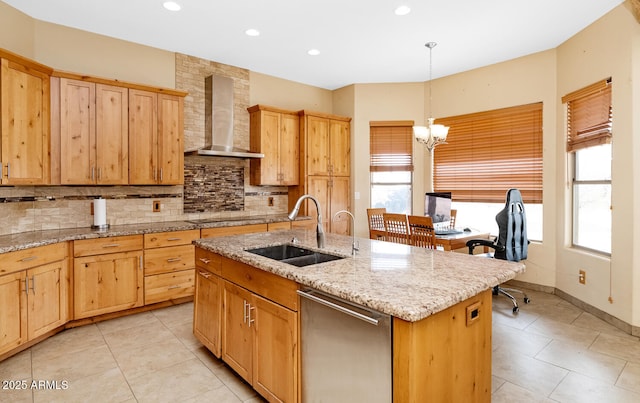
337	307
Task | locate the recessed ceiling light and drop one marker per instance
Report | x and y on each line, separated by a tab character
402	10
171	6
314	52
252	32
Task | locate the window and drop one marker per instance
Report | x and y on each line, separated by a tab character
589	124
486	154
391	165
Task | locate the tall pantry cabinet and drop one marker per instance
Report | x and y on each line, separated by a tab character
325	167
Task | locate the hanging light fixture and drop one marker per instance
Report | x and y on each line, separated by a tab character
432	134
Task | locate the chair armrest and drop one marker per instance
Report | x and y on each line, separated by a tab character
472	243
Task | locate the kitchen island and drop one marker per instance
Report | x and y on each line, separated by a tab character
440	303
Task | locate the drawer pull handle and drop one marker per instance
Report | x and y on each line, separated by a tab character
29	258
173	287
204	274
111	245
174	239
174	259
205	260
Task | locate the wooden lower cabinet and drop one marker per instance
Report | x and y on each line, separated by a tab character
33	301
207	310
445	357
169	264
107	275
107	283
259	337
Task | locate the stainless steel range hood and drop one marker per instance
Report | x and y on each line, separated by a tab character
219	120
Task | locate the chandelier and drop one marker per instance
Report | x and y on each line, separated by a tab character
432	134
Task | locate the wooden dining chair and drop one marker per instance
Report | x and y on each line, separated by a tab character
422	232
376	223
452	219
396	228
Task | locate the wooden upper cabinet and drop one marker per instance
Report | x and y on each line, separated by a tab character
93	133
24	121
156	130
276	134
339	148
317	146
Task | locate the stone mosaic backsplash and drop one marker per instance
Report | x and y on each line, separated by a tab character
213	188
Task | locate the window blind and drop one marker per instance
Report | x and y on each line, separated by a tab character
391	146
589	116
489	152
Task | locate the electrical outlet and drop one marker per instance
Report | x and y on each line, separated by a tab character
582	277
270	202
156	206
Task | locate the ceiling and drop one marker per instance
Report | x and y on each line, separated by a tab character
360	41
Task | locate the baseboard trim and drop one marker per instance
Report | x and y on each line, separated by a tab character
610	319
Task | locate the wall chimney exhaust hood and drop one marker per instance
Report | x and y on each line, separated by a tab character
219	120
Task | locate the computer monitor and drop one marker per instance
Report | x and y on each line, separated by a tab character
438	207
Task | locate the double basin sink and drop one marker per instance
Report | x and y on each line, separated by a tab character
294	255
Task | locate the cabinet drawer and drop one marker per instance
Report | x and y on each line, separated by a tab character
274	226
100	246
263	283
208	261
235	230
162	239
32	257
163	287
169	259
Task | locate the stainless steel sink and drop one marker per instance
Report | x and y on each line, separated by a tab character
294	255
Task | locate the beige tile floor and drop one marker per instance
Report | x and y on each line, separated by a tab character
550	352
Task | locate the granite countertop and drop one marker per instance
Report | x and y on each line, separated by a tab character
26	240
407	282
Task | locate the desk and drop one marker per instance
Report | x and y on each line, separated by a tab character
457	241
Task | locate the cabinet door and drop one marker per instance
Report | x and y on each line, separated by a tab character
289	150
340	147
112	135
207	310
339	200
275	353
317	146
269	146
24	131
77	132
143	137
236	334
170	162
13	315
107	283
47	298
319	188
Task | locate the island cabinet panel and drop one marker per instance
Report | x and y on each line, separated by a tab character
237	339
446	356
275	359
34	300
254	315
24	121
108	275
207	309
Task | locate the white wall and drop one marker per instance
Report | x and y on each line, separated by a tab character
607	48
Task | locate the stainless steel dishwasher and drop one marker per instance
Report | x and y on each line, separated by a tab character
345	351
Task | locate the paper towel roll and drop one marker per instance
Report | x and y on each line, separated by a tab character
99	212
